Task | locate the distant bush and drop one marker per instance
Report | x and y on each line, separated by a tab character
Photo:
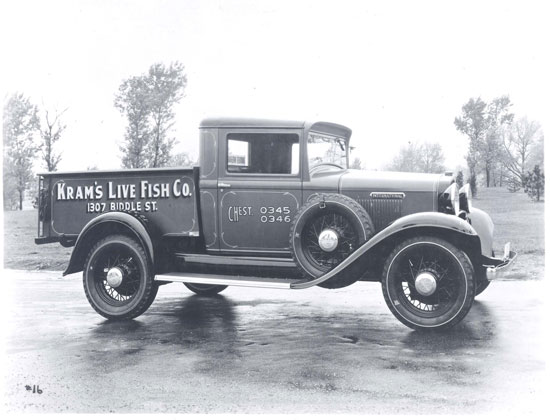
513	185
534	183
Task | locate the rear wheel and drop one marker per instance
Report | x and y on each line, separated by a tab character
205	289
428	283
117	278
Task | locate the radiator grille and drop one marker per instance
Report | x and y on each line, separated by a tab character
382	211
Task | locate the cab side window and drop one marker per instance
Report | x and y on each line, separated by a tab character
263	153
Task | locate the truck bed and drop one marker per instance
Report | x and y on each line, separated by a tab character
165	199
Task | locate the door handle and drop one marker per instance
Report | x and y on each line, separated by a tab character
223	185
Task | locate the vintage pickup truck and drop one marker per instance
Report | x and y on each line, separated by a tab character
273	204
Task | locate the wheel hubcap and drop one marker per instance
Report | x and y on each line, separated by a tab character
425	283
115	277
328	240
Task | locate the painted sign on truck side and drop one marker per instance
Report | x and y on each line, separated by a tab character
165	197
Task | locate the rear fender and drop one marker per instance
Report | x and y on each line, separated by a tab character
418	222
103	225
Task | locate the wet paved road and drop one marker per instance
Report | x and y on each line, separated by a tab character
269	351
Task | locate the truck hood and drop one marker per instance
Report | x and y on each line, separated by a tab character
382	181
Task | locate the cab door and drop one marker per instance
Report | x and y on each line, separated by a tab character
259	189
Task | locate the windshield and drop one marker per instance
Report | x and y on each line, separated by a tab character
324	148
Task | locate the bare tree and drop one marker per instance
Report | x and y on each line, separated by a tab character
50	131
425	157
431	158
519	142
20	123
182	159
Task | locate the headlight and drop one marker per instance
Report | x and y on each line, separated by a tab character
465	198
449	200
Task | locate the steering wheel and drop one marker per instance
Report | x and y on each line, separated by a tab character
314	167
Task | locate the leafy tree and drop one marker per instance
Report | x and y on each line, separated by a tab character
133	100
166	86
148	102
534	183
425	157
483	123
50	130
20	123
460	179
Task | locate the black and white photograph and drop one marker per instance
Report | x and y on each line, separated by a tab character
304	207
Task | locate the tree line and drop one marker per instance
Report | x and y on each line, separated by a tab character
22	122
502	150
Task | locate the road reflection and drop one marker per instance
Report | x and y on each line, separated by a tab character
478	329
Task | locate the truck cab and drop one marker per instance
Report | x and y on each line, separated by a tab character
253	175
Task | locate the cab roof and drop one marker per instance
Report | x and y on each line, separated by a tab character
231	122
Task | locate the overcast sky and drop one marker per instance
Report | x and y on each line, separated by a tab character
393	71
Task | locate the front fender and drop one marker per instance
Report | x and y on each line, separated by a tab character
104	224
413	221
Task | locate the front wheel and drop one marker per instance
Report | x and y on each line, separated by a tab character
428	283
481	285
117	278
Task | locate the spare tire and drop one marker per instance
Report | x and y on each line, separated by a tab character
324	232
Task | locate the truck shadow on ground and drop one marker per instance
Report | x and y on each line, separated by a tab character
278	342
217	324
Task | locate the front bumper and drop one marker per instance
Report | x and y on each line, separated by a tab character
496	267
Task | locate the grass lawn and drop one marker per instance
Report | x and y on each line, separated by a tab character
517	219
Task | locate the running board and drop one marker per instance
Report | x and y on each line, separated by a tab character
247	281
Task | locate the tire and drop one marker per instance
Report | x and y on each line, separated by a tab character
448	291
350	223
481	285
205	289
137	289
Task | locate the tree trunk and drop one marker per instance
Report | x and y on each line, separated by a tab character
20	200
488	176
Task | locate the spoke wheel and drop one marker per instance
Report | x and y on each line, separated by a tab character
348	239
327	230
117	278
481	285
428	283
